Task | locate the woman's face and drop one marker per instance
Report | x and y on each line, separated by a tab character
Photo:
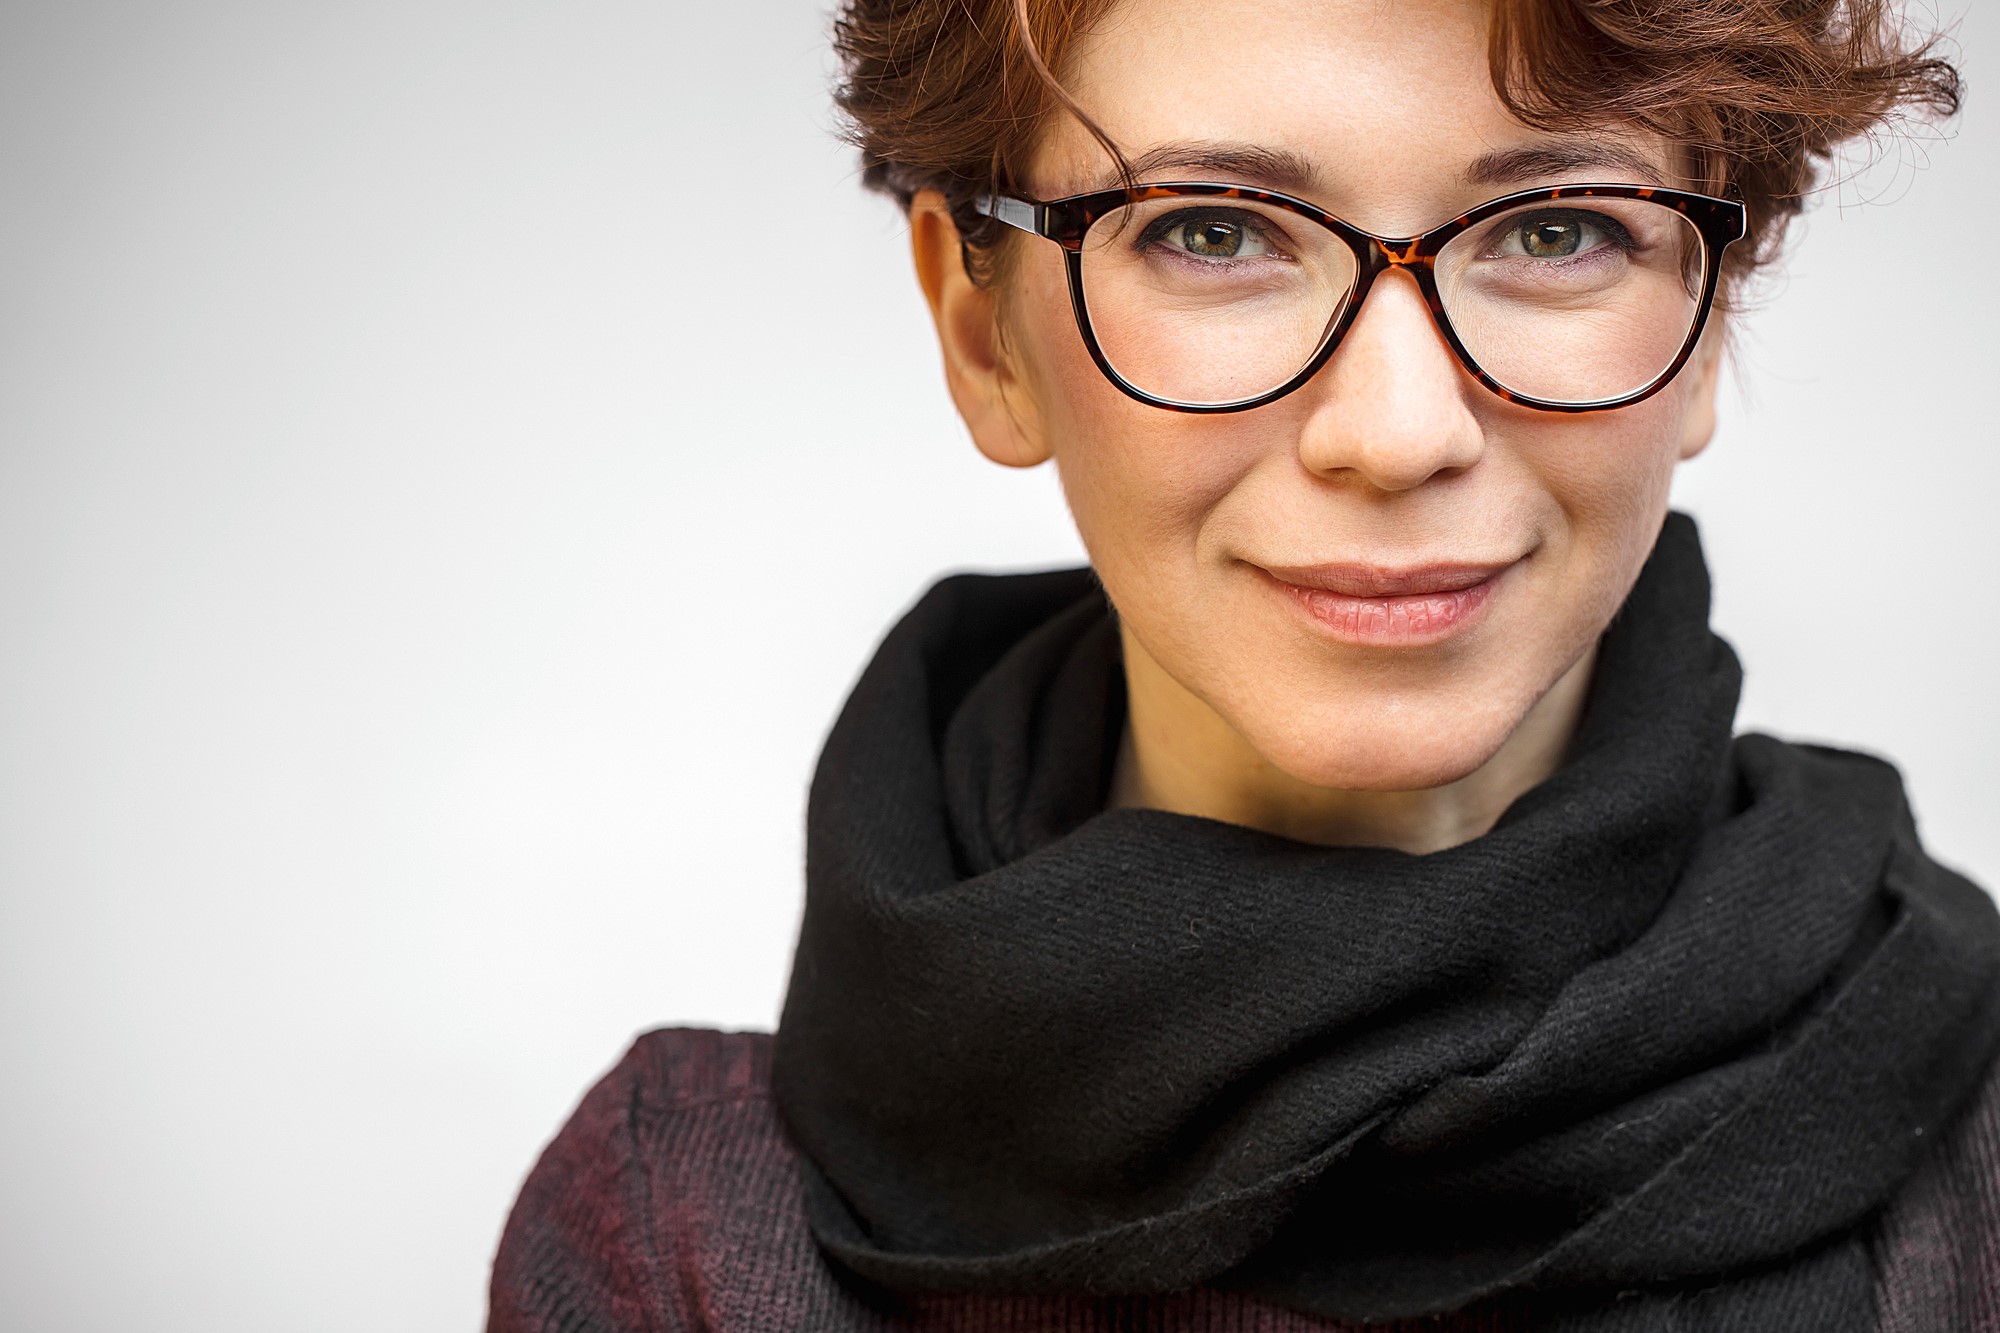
1299	570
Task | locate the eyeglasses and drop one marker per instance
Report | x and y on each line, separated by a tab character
1219	298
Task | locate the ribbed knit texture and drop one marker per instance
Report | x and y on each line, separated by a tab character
672	1202
1938	1248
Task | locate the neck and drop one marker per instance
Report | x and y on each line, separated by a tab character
1179	754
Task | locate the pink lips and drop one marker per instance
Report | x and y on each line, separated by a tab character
1384	607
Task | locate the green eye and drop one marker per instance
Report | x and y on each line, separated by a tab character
1560	235
1551	238
1214	235
1214	239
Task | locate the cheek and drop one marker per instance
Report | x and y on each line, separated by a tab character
1140	480
1611	475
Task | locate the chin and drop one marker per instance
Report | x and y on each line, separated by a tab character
1391	748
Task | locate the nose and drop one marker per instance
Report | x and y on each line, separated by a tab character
1390	406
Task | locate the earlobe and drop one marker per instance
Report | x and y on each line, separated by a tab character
1698	426
976	366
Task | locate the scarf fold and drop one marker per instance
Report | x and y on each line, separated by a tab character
1680	1022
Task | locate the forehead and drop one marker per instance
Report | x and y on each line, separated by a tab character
1382	111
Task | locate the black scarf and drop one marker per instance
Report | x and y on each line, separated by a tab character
1681	1021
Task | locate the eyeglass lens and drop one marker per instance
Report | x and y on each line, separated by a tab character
1209	303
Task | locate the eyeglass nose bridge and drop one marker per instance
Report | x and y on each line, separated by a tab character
1417	255
1375	256
1408	253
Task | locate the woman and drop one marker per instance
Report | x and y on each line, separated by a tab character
1345	904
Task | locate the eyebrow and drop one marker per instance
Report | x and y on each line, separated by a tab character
1276	168
1292	173
1524	166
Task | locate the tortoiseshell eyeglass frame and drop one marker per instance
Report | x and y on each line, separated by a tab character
1721	223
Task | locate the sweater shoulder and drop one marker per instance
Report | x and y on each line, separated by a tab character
672	1069
1937	1248
670	1188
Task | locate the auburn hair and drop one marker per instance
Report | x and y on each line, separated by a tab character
949	95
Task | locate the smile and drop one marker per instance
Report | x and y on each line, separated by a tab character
1378	607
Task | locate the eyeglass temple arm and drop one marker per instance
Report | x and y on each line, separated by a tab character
1014	212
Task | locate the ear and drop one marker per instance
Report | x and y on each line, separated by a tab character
1705	370
976	365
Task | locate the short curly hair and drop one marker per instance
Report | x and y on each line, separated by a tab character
948	95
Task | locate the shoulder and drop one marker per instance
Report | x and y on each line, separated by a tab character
677	1069
1937	1249
670	1200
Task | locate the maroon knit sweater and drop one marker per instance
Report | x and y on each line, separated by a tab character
672	1201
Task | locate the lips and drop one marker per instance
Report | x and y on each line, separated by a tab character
1383	606
1354	580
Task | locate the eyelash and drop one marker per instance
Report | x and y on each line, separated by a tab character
1160	227
1614	232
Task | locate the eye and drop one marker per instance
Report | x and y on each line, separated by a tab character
1213	234
1560	234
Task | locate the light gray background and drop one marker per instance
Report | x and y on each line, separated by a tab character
453	459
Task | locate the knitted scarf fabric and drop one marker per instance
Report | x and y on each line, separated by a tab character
1679	1023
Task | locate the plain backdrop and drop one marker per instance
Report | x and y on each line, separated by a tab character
454	458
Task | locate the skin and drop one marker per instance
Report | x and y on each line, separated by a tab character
1241	708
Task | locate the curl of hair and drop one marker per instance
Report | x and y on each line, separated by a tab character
1759	93
949	95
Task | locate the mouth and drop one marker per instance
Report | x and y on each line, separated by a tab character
1384	606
